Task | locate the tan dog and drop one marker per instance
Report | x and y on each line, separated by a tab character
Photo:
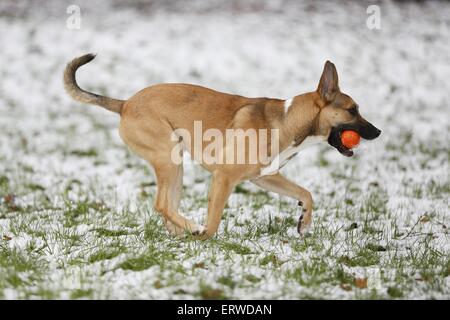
150	118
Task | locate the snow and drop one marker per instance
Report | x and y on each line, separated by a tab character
398	75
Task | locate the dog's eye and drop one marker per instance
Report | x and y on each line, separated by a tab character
353	111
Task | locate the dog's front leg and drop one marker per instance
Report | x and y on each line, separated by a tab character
279	184
222	185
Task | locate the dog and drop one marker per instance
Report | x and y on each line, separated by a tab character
150	118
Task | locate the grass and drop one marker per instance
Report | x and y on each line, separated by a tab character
79	235
76	207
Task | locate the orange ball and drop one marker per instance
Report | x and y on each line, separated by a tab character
350	138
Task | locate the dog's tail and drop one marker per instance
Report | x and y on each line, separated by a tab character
72	88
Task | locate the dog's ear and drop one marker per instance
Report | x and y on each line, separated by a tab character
329	83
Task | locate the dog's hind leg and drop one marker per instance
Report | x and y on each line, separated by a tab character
175	198
222	184
152	142
169	183
281	185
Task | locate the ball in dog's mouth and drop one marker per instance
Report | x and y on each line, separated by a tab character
350	138
334	139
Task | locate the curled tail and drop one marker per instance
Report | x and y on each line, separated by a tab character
72	88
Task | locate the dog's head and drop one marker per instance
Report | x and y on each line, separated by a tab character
338	112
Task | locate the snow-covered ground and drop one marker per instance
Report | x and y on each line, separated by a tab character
76	217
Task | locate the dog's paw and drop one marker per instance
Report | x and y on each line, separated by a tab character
302	227
202	234
199	230
304	223
174	230
300	204
299	224
170	227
